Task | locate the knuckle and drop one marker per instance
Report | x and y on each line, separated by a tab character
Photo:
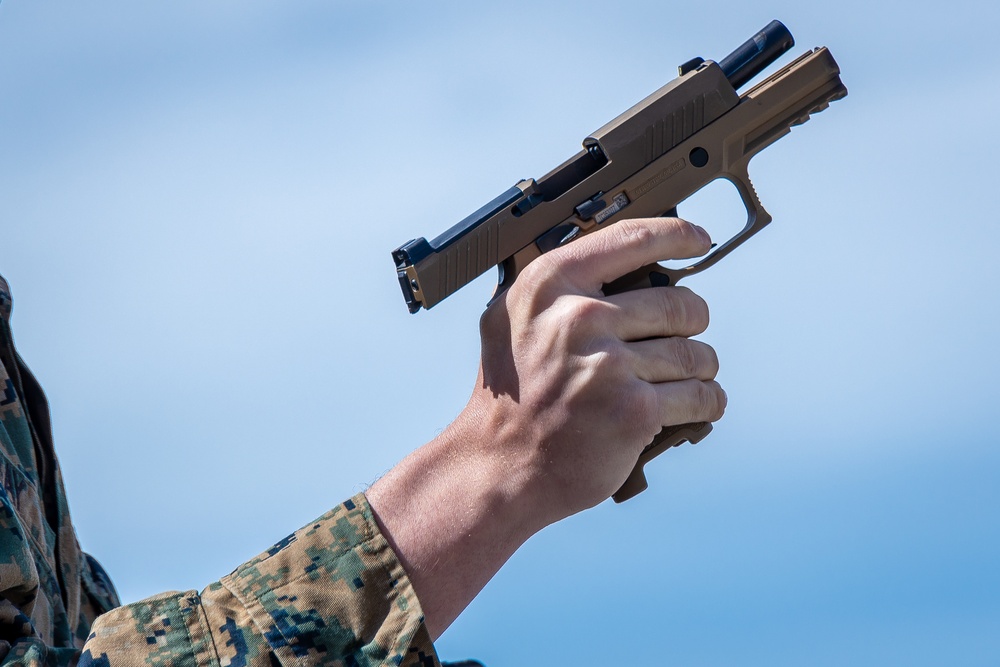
682	311
633	234
639	411
582	313
671	308
537	275
544	265
691	232
706	359
678	225
685	357
610	362
695	309
627	400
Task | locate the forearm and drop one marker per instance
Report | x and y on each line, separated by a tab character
454	511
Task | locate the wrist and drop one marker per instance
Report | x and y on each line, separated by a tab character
454	511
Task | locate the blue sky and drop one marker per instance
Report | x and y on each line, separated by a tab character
198	201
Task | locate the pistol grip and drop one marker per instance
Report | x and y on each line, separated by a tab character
670	436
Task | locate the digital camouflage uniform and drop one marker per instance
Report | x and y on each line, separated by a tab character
332	593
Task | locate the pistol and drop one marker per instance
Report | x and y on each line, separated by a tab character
694	130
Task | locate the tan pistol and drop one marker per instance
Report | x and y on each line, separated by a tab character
692	131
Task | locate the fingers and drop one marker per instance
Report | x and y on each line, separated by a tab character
690	401
658	311
610	253
673	359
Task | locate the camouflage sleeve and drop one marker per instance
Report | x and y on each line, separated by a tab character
331	593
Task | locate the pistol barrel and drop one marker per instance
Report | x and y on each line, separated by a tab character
757	53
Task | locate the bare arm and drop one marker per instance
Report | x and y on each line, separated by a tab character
572	385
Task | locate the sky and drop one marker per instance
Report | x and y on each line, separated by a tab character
198	203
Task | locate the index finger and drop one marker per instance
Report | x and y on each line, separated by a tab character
602	256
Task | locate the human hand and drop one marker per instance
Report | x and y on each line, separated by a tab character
574	384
